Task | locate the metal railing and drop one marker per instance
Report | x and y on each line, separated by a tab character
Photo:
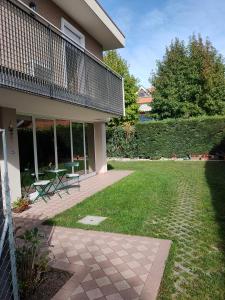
36	58
8	278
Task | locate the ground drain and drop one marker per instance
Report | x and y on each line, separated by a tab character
92	220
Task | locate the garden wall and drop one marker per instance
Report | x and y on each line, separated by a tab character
155	139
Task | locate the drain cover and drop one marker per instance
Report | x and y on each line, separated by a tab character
92	220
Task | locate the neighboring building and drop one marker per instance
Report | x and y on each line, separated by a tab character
56	94
144	101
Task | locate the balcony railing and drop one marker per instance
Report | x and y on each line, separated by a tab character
35	58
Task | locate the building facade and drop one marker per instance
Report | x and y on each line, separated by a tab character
144	101
56	94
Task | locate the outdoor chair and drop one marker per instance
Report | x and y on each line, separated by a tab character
42	188
27	180
73	176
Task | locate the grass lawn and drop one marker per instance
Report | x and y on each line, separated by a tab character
180	201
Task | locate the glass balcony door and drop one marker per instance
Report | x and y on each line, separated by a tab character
46	143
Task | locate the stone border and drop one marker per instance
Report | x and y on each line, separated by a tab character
155	276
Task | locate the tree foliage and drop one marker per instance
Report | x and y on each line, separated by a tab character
119	65
189	81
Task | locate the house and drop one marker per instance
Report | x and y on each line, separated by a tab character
56	94
144	101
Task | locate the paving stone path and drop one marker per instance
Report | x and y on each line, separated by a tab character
182	225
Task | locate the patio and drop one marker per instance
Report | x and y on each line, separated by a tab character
104	265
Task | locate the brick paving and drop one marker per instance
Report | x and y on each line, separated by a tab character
105	266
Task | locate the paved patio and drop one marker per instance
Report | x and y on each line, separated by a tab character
105	266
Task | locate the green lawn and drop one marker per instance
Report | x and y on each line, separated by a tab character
181	201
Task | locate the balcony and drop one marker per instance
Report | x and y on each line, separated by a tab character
35	57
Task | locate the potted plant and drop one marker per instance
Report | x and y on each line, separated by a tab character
21	204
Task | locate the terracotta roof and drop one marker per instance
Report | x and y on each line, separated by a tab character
143	100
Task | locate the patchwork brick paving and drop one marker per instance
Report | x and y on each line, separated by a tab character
107	265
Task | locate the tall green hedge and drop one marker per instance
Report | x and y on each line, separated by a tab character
169	137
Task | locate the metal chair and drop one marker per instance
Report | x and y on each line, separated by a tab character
76	176
42	188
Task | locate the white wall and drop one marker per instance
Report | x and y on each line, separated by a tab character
100	148
28	104
7	116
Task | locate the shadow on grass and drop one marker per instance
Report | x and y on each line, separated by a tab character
110	167
215	176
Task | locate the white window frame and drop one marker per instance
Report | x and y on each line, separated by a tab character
65	23
81	46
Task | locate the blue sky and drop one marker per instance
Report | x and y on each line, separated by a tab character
150	25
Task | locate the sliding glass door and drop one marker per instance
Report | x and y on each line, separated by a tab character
25	141
90	148
26	150
46	143
63	142
78	139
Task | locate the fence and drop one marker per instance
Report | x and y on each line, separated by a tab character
8	279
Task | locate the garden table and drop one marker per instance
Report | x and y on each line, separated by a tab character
58	183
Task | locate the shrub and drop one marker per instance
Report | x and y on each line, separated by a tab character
121	141
170	137
31	263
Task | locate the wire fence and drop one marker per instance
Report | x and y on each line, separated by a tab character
8	279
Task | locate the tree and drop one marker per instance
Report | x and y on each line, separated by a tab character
119	65
189	81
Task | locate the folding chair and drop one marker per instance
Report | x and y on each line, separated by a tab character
42	188
76	176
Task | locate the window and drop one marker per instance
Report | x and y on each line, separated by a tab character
74	59
90	148
63	142
79	146
26	150
74	34
45	143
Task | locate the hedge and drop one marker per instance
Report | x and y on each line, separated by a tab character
167	138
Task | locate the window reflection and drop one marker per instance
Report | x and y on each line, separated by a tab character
63	142
45	143
25	140
26	150
78	145
66	151
90	148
